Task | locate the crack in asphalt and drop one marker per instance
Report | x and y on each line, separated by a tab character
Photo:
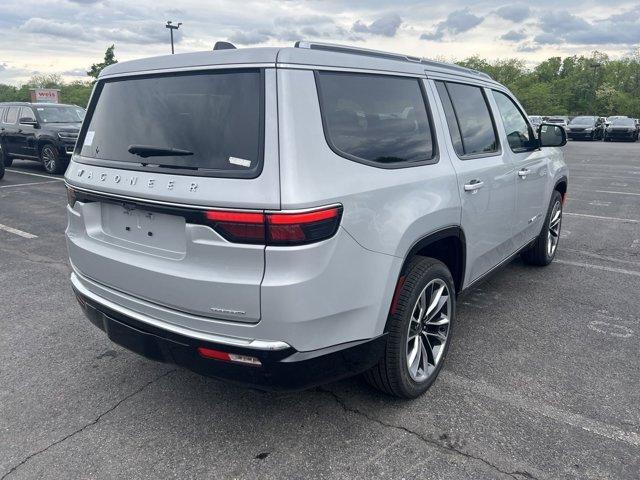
84	427
447	448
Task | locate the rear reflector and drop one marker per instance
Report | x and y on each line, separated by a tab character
277	228
71	196
228	357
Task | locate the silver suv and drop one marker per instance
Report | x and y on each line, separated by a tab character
284	217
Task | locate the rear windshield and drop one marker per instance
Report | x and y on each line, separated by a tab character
197	123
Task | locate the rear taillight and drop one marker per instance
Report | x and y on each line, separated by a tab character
71	196
240	227
276	228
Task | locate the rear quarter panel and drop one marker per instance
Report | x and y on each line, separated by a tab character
385	210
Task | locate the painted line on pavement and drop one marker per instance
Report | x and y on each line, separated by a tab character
615	219
15	231
27	184
35	174
635	273
618	193
536	407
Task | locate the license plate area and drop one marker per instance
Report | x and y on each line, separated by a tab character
143	228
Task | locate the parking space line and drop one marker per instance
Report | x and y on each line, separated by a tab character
635	273
27	184
615	219
618	193
15	231
601	257
536	407
35	174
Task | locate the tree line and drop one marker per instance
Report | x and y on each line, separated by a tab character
576	85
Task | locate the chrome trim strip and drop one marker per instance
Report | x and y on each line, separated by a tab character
198	207
269	345
222	66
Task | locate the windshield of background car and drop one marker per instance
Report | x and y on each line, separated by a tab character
623	122
583	121
214	118
60	114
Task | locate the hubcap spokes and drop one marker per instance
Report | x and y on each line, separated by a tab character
553	234
49	159
428	330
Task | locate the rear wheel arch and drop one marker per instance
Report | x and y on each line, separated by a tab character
447	245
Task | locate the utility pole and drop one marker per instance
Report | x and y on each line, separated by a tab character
171	28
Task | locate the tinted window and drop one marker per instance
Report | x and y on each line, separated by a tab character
27	112
452	122
12	115
376	118
519	134
215	119
474	119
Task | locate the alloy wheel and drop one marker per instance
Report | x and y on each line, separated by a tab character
49	159
553	233
428	330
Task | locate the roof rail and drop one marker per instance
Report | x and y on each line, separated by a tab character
331	47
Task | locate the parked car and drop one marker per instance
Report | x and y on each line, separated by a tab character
284	227
586	128
621	128
45	132
536	120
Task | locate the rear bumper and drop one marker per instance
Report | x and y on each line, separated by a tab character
281	369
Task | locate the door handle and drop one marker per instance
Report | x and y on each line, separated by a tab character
473	186
524	172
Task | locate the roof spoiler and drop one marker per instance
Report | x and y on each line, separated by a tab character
224	46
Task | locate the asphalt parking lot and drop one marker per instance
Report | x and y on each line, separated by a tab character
542	379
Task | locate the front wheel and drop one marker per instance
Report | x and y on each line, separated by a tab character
419	331
543	249
50	157
5	159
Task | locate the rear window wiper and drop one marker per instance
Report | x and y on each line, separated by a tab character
145	151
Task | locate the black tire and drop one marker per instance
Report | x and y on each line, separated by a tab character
391	374
50	158
1	170
5	159
539	252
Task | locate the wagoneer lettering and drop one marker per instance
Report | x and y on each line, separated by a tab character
291	216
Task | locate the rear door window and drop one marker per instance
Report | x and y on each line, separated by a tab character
12	115
474	124
380	120
208	123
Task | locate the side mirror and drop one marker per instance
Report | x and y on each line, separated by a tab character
28	121
551	135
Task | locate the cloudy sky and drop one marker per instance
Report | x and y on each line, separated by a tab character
67	36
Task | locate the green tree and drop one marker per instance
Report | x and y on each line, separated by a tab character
109	59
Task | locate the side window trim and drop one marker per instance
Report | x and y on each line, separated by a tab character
474	156
435	157
522	114
455	115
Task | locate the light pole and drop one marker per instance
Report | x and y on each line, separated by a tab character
171	28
